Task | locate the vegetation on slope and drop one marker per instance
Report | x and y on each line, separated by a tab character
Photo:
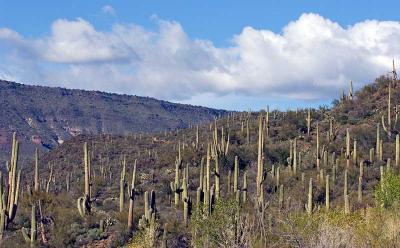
305	178
48	116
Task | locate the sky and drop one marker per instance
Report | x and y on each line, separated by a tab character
235	55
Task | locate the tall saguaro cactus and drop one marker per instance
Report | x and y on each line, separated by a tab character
387	125
132	198
236	175
327	193
175	188
318	151
122	186
351	90
217	178
309	205
244	189
36	182
308	119
84	203
260	166
347	147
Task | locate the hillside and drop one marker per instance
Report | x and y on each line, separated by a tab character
48	116
246	180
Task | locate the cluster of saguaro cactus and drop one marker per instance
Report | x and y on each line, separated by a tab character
9	200
148	222
84	202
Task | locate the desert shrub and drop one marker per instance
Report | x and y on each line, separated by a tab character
146	235
388	192
226	226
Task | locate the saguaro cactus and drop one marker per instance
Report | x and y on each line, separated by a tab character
371	155
345	194
260	166
360	189
355	152
84	203
217	178
247	132
36	178
32	238
351	90
308	119
327	193
197	136
122	184
347	147
318	152
378	141
236	175
49	180
309	205
186	203
9	202
295	156
244	189
387	125
132	198
331	134
146	200
175	185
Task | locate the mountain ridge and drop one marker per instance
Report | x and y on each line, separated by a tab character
47	116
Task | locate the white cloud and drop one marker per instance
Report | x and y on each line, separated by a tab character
79	42
312	58
108	9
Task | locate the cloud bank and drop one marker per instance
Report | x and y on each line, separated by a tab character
312	58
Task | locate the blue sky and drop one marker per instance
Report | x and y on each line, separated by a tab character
201	52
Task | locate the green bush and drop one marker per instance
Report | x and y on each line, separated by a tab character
217	228
388	192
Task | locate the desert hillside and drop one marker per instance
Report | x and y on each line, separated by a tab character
46	117
302	178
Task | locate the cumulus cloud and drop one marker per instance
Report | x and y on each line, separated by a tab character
311	58
108	9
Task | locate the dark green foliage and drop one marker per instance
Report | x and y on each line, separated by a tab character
388	192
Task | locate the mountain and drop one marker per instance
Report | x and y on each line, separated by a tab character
47	116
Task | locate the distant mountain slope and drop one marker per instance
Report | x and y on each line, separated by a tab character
48	116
